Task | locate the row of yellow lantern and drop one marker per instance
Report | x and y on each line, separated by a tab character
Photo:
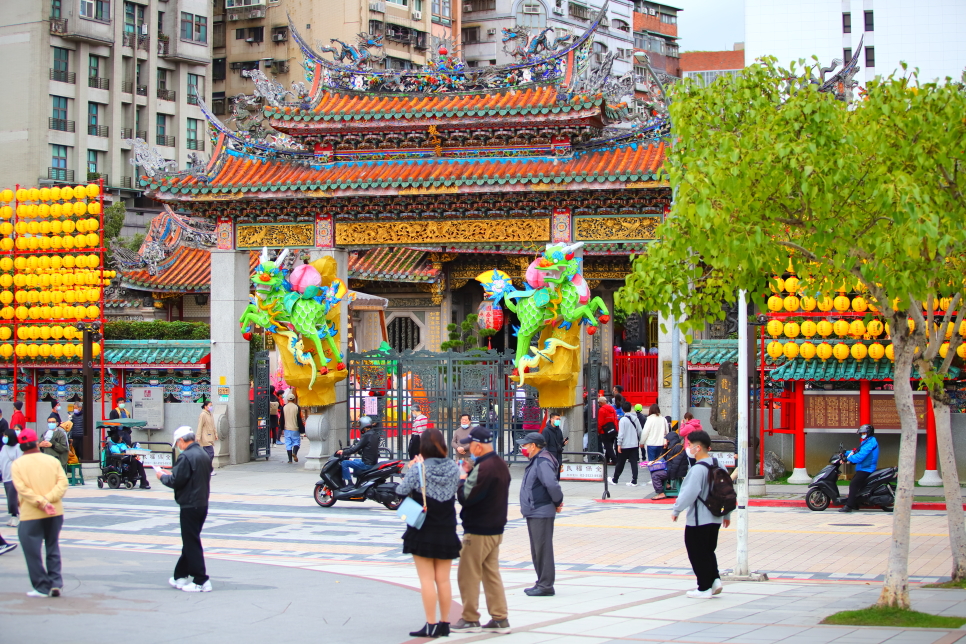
41	332
50	312
56	351
71	296
54	278
54	211
841	303
842	351
45	262
54	242
51	227
57	193
843	328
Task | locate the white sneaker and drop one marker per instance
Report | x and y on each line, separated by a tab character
195	588
716	587
179	583
214	473
15	522
37	593
700	594
612	481
631	484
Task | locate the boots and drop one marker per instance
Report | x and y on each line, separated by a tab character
289	456
295	453
428	630
443	630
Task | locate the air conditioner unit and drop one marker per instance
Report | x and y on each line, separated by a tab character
491	32
379	7
531	8
417	15
233	17
558	11
279	37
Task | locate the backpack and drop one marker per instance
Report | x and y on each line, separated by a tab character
722	498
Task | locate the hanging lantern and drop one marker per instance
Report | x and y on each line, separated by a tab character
859	351
70	350
774	328
841	303
490	316
56	332
859	304
809	303
33	351
824	328
777	284
775	349
790	303
874	328
21	350
774	303
857	328
790	350
23	333
5	333
57	350
876	351
791	329
841	351
95	349
943	350
824	351
807	350
6	350
791	284
825	304
45	351
808	328
890	352
841	328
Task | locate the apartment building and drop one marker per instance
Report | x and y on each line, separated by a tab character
927	34
656	34
709	65
254	34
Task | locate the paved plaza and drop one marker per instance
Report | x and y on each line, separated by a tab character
280	564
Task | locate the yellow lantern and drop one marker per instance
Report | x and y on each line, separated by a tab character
824	328
56	243
80	192
93	189
45	194
21	350
56	332
791	329
935	304
6	195
69	261
34	194
808	303
874	328
962	329
841	303
6	228
7	244
22	194
80	312
80	240
92	224
81	226
857	328
57	350
56	313
791	284
6	264
95	349
56	194
33	332
45	351
32	351
774	328
890	352
775	349
43	210
70	350
859	304
6	297
80	208
774	303
943	350
841	328
841	351
94	208
777	284
56	210
67	241
33	243
70	297
93	239
69	226
23	333
791	348
70	332
45	333
961	351
55	262
35	313
876	351
807	350
22	313
825	304
790	303
6	350
93	261
5	333
93	312
859	351
7	313
21	296
944	303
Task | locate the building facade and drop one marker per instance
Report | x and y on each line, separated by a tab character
92	73
709	65
925	34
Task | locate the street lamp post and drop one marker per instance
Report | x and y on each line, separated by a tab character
91	333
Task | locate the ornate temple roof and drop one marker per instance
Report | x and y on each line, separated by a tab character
167	353
392	265
816	370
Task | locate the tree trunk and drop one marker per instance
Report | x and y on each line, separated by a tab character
953	493
895	589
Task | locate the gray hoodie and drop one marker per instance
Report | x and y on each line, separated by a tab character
540	492
696	485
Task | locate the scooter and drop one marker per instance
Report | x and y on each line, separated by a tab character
879	490
371	484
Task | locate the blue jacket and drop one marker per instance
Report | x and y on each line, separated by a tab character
866	459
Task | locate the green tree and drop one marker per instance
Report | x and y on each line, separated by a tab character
466	335
764	170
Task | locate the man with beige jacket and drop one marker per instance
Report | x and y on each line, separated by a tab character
206	432
41	484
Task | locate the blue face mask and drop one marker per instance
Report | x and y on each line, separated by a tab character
51	425
4	440
472	458
556	423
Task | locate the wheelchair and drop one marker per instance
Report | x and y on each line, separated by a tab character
117	469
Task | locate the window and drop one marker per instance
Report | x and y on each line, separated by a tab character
61	59
55	9
218	69
532	16
869	21
870	56
194	28
846	23
668	19
160	22
404	333
599	47
133	17
218	34
418	5
92	114
96	9
575	10
92	161
137	121
255	34
162	78
404	3
196	88
93	66
621	25
137	73
60	108
193	129
58	156
441	8
847	54
470	35
162	123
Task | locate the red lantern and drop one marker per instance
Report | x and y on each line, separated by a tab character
491	316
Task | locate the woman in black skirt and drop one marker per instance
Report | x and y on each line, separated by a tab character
435	544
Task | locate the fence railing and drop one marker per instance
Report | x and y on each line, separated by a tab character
60	174
167	141
98	130
99	83
61	76
166	94
637	374
62	125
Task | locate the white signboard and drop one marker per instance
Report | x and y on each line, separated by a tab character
149	405
582	472
725	459
157	459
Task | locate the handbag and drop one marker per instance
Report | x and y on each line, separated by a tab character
410	510
657	466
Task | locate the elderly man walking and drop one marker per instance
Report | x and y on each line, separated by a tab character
41	483
540	500
190	479
484	492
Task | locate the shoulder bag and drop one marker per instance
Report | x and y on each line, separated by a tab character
410	510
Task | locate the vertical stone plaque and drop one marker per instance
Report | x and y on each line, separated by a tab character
724	407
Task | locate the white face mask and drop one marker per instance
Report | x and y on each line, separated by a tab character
464	425
692	451
863	436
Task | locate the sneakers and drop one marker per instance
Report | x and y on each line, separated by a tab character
846	508
716	587
37	593
700	594
612	481
497	626
463	626
7	547
631	484
13	522
214	473
56	592
179	583
195	588
539	592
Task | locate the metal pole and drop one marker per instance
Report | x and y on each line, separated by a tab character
741	567
675	370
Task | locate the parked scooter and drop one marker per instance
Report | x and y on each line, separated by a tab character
371	484
879	490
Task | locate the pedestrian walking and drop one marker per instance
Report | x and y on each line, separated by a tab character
655	429
9	452
55	441
206	432
701	529
556	442
483	493
4	426
41	484
607	428
18	417
460	450
541	499
431	479
628	444
293	426
190	478
420	423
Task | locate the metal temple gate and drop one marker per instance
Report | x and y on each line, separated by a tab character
390	385
260	442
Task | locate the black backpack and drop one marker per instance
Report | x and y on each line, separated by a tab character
722	498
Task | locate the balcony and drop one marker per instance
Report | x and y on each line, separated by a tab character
98	130
142	90
58	26
89	30
129	39
144	43
166	94
142	134
192	99
127	133
196	144
60	174
95	176
62	125
127	182
164	45
62	76
167	141
99	83
127	87
244	10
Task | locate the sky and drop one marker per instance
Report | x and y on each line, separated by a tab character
710	25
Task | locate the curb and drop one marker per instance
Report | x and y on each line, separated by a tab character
766	503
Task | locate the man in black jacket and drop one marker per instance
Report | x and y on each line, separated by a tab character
555	440
190	478
367	446
484	492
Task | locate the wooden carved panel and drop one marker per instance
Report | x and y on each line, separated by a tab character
614	228
434	232
277	236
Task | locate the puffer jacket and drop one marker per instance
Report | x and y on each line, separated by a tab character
689	426
540	492
367	446
677	460
866	458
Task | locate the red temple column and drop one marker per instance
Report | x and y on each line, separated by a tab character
930	477
865	402
799	474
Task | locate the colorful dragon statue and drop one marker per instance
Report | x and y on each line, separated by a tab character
555	303
357	56
300	307
521	43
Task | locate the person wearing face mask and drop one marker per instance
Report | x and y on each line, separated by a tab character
866	459
541	499
206	432
483	493
55	411
462	432
4	426
121	411
55	442
420	424
77	429
555	440
9	452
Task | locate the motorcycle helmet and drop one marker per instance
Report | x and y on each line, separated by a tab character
866	429
365	422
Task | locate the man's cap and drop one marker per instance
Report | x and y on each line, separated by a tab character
181	432
28	436
533	437
478	435
638	407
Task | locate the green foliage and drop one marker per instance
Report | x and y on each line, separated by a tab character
894	617
113	220
466	336
134	243
157	330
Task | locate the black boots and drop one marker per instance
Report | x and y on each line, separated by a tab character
295	453
432	630
289	456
